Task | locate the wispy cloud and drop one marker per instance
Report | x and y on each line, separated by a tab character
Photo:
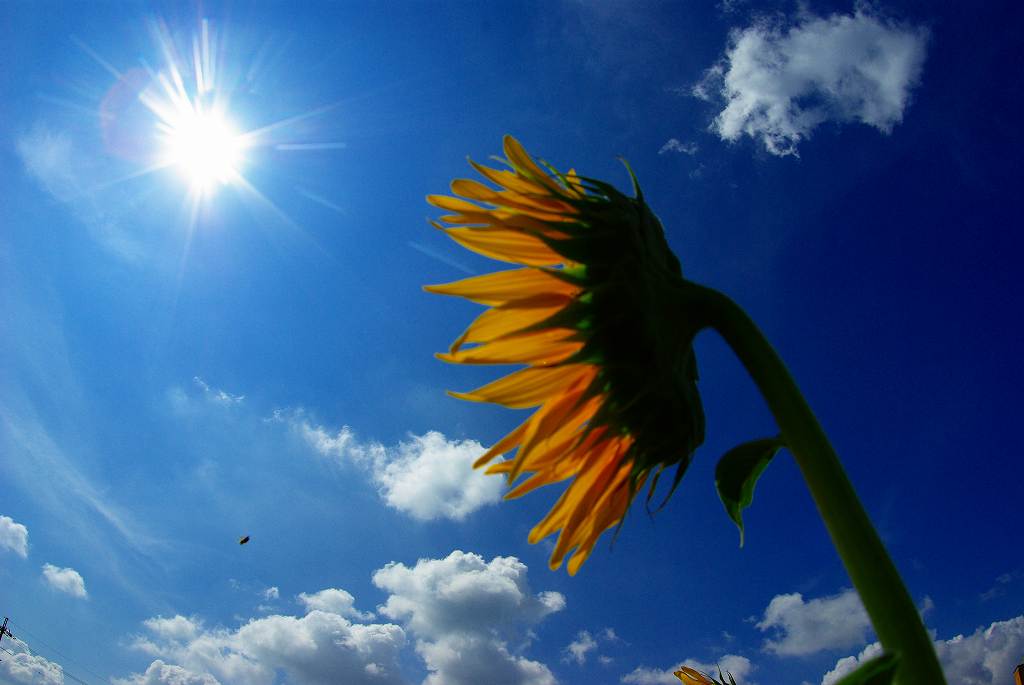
13	536
66	484
1003	580
65	171
441	257
779	83
320	200
675	145
216	394
66	580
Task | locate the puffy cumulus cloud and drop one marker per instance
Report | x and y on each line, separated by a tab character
431	477
459	659
427	477
778	85
464	611
65	580
986	657
22	667
739	666
804	627
13	536
334	601
318	648
578	649
160	673
463	593
176	628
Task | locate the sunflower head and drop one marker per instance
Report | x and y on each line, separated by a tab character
593	314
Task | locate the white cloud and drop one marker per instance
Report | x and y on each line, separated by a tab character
66	172
319	648
1002	581
341	446
675	145
778	85
23	667
835	622
13	536
739	666
177	628
216	394
271	593
986	657
160	673
460	659
334	601
431	477
464	612
65	579
427	477
579	648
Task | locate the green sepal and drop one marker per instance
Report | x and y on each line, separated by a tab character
737	473
878	671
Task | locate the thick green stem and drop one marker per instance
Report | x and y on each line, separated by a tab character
892	611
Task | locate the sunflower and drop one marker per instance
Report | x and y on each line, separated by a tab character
593	312
691	676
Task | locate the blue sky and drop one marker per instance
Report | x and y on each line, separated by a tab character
183	367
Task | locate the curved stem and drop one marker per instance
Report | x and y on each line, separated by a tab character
892	611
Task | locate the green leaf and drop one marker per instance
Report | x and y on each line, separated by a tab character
737	473
878	671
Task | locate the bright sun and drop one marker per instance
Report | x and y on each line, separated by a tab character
204	147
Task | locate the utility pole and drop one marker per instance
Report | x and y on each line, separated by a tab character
3	630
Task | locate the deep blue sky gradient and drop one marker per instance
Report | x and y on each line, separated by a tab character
885	268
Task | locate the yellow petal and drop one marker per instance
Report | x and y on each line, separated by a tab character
566	504
526	189
502	446
503	287
508	199
501	321
526	388
524	164
590	489
539	348
506	245
607	512
691	677
511	180
557	433
454	204
500	219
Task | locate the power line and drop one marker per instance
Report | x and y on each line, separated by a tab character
28	649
